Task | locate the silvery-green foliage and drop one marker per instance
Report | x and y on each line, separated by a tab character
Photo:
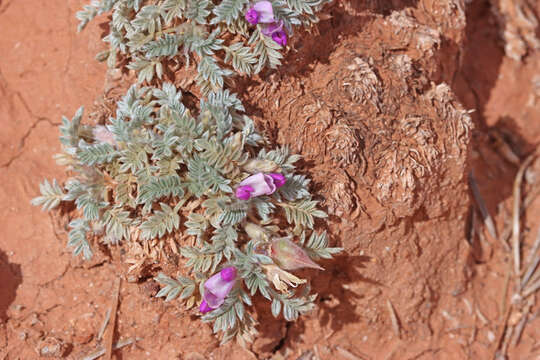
156	33
173	288
157	169
51	195
166	170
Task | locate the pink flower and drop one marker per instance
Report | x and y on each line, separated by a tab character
216	289
276	32
290	256
103	135
244	192
279	179
280	37
263	13
259	184
260	12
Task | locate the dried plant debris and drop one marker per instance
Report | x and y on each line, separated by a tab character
518	21
156	172
525	277
220	36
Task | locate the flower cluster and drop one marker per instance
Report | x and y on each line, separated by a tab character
262	13
285	254
260	184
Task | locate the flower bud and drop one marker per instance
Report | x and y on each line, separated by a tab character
290	256
252	16
103	135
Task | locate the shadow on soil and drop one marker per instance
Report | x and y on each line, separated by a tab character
10	278
335	304
493	166
481	60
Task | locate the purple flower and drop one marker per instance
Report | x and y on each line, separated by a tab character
216	289
260	12
256	185
276	32
280	37
244	192
279	179
271	28
252	16
204	308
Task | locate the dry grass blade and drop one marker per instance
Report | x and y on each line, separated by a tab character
393	318
506	341
488	220
519	330
532	289
516	213
116	346
348	355
505	292
522	322
104	325
481	316
501	332
112	324
530	271
535	248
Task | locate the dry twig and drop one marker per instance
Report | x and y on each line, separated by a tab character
516	212
488	220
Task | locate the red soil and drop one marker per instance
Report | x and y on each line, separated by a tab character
355	99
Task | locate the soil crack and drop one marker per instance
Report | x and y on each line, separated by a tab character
22	142
8	93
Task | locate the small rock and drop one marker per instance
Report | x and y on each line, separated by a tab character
132	279
51	347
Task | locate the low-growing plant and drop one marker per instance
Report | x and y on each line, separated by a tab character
201	178
157	170
219	35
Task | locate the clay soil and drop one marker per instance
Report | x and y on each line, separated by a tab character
376	98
